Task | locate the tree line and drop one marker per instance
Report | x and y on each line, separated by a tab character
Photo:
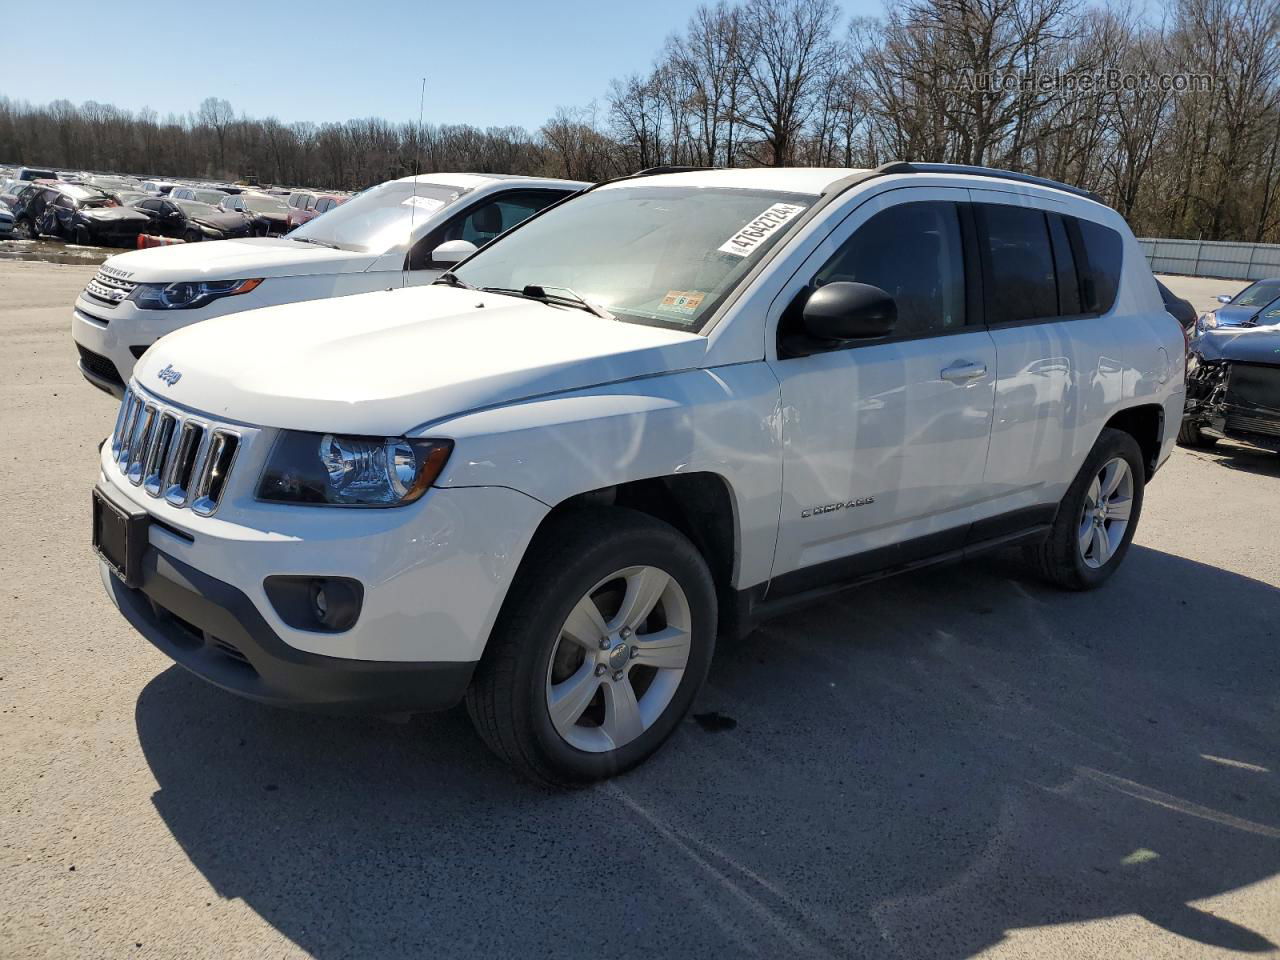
1174	120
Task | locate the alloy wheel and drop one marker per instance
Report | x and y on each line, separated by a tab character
618	659
1105	517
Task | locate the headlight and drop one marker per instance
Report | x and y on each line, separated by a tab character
184	295
326	468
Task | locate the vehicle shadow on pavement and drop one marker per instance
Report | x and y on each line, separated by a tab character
917	768
1238	456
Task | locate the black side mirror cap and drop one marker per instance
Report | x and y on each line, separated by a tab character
849	311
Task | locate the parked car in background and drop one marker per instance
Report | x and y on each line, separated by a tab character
157	187
384	238
75	213
36	173
112	184
296	201
192	221
10	189
270	215
6	222
129	197
1253	306
199	194
653	415
1233	387
1180	309
312	207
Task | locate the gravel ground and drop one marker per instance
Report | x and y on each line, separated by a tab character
953	763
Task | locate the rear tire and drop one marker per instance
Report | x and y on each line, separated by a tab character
1190	435
1096	520
580	681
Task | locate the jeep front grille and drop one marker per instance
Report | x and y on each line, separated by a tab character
184	459
108	290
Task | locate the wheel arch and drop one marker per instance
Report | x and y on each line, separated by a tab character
1146	424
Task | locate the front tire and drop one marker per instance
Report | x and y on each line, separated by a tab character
1097	517
1190	435
24	229
193	236
602	644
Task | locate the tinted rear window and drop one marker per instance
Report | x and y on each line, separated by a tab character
1023	275
1099	262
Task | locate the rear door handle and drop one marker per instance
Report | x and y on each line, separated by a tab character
963	370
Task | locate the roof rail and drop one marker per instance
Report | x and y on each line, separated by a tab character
655	171
905	166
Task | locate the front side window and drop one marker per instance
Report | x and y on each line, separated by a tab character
1020	264
665	256
484	221
380	219
913	252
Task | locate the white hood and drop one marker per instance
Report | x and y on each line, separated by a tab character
235	260
382	363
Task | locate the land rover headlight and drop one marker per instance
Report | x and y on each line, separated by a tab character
328	468
184	295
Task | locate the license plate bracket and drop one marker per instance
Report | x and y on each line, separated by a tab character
120	537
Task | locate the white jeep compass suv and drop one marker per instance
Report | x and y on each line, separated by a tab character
649	416
389	236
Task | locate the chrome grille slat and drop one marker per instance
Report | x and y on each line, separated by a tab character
109	290
183	459
182	467
139	442
158	453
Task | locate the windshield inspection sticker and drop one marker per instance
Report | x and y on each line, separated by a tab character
682	301
745	241
422	203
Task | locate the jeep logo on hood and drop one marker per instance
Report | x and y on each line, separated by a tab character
169	375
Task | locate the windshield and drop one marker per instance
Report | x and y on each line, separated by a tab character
380	218
1258	294
658	255
213	197
194	209
265	205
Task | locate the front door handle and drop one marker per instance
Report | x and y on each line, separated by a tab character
963	370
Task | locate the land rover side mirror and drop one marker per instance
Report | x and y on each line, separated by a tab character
1223	298
453	251
849	311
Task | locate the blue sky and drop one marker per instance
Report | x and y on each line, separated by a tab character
486	63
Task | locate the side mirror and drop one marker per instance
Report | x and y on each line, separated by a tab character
849	311
453	251
1223	298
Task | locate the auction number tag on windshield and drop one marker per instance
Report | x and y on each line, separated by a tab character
423	203
745	241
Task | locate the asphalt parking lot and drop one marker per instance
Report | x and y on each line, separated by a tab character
952	763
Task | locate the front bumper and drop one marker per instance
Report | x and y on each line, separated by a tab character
215	631
434	573
117	335
1237	401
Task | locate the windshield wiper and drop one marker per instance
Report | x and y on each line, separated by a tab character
538	292
318	243
451	279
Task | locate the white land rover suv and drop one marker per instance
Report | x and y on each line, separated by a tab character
387	236
645	418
